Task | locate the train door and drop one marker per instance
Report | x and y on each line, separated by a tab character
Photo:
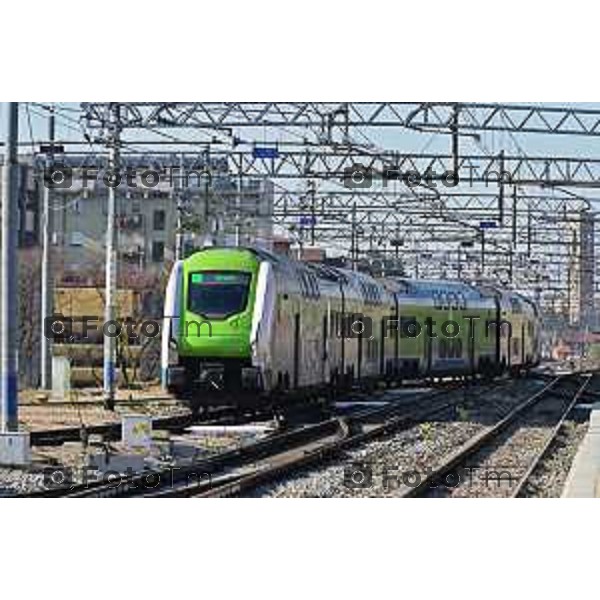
297	350
397	337
428	345
501	356
339	333
325	361
471	347
360	343
382	337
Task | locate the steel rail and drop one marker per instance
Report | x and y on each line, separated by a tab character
305	446
272	445
551	438
353	435
481	440
110	431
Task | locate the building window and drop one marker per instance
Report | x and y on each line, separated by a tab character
158	251
159	220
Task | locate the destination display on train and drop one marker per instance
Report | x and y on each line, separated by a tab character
216	278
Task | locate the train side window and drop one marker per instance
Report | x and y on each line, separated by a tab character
372	349
444	302
408	327
505	329
515	346
364	291
459	348
491	327
452	302
452	348
325	330
442	348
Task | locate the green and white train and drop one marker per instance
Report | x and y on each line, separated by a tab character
247	324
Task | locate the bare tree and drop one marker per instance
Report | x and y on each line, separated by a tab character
29	326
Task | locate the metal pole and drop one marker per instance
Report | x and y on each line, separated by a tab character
238	204
110	354
179	232
483	253
210	229
501	191
9	297
47	283
529	231
354	240
313	214
455	140
514	215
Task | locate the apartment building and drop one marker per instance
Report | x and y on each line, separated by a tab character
155	201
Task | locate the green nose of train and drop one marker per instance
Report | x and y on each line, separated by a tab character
218	299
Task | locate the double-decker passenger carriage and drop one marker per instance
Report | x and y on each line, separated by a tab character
520	346
444	329
246	324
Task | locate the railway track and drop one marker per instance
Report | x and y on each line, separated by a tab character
99	403
173	423
454	475
217	415
363	428
109	431
539	458
236	471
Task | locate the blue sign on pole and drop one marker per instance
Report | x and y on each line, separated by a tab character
308	221
488	225
265	152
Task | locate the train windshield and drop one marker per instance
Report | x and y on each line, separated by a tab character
218	294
